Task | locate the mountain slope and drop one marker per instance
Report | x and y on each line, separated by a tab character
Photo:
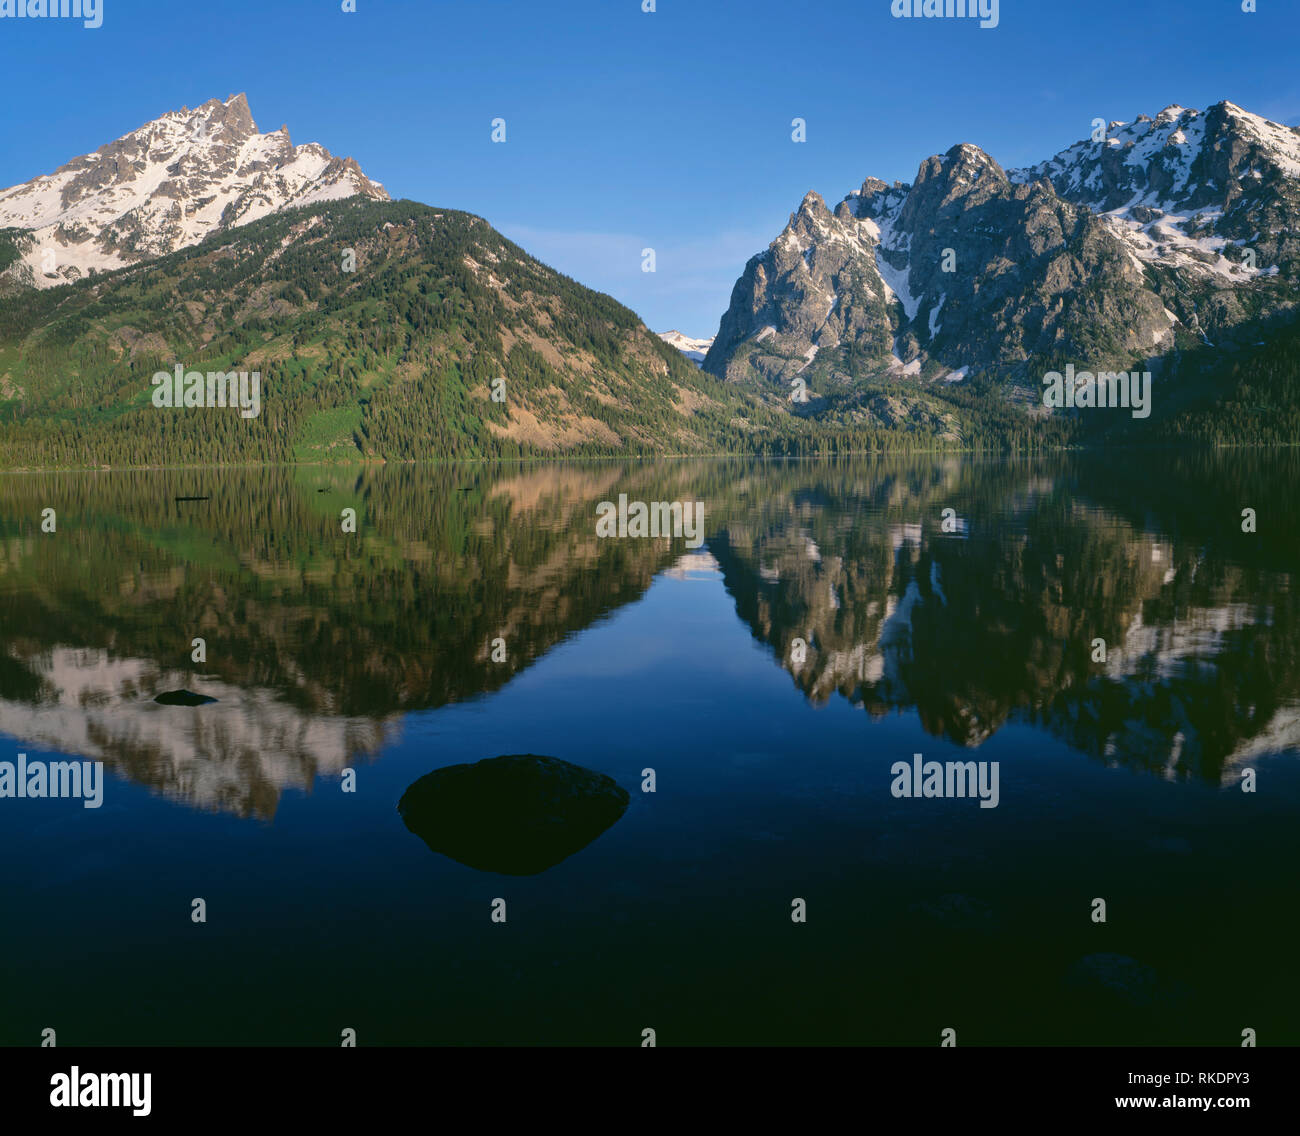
1111	256
867	283
396	360
165	186
1209	202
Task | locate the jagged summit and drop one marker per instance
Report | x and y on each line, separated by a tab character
1166	230
232	114
1190	189
167	185
961	172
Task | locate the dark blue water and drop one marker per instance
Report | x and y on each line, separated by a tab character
372	652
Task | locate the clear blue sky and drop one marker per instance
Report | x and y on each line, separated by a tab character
629	130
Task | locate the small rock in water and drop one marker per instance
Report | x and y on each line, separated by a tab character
183	698
517	815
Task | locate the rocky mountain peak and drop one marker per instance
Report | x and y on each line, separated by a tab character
1191	190
232	116
967	159
813	204
166	185
977	268
963	172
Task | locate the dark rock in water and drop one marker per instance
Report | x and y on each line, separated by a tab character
183	698
517	815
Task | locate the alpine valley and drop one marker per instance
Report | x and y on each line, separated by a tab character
921	316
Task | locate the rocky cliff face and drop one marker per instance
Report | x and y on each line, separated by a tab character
1105	256
165	186
1207	203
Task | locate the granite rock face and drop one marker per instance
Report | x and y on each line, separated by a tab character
1112	255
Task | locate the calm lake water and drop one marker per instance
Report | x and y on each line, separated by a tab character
829	626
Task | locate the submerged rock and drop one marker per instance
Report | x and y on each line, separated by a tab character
183	698
517	815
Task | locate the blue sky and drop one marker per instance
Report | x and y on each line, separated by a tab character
628	130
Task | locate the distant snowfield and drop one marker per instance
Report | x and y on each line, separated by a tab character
693	349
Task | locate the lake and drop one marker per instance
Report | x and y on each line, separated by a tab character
1101	633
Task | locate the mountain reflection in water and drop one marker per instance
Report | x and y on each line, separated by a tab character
725	721
319	644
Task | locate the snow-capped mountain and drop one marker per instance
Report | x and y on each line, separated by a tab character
961	270
1181	228
1189	189
694	349
165	186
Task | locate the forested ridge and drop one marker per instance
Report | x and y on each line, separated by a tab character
382	329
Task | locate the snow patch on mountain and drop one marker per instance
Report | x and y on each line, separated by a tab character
934	315
891	242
